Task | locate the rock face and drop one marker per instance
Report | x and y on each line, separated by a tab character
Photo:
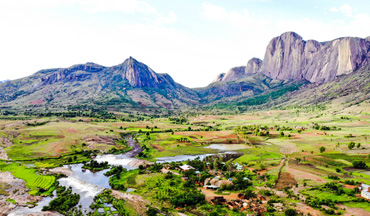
337	57
289	57
140	75
219	77
234	73
253	66
284	57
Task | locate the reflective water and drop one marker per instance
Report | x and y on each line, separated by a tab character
86	183
227	147
179	158
25	210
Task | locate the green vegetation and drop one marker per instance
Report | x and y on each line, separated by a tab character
65	202
96	166
35	182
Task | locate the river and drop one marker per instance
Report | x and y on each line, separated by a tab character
89	184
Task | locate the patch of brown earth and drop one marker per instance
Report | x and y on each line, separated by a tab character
71	130
285	180
135	201
61	170
210	194
354	211
300	174
137	162
303	208
93	140
158	147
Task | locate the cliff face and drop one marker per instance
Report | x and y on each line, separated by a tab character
289	57
284	57
337	57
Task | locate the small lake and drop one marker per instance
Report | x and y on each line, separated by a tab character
227	147
179	158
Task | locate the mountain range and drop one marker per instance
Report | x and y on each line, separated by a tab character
289	61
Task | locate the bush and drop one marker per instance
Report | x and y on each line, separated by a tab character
351	145
290	212
359	164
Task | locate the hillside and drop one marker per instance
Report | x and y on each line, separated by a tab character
127	85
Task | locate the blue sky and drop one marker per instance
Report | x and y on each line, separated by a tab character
191	40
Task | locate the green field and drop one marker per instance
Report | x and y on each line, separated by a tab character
33	180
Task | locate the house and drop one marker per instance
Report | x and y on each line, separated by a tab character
238	167
186	167
212	187
184	178
365	191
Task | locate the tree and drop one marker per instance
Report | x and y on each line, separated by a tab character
351	145
281	133
322	149
359	164
358	145
290	212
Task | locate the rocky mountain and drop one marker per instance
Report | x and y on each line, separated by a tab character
289	57
130	84
289	63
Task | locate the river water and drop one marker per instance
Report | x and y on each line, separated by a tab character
89	184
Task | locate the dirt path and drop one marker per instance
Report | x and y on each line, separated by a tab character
210	194
307	209
165	171
354	211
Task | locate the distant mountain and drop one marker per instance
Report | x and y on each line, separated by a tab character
3	81
290	63
130	84
289	57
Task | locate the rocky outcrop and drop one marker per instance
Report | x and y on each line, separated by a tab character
253	66
140	75
289	57
234	73
219	77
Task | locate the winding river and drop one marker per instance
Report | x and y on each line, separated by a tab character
89	184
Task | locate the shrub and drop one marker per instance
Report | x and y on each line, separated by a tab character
290	212
359	164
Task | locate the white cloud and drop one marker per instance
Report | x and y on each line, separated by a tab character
334	9
345	9
165	20
218	13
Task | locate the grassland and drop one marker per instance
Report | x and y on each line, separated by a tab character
55	142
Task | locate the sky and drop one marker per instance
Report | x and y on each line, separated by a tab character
191	40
